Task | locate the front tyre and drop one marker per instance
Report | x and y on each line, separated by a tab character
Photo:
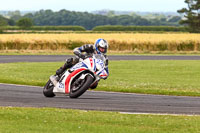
86	85
48	89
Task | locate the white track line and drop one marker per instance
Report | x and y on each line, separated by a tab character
130	113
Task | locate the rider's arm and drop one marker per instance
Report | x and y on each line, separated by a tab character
77	51
88	48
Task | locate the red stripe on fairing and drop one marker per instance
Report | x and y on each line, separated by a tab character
69	78
103	75
91	62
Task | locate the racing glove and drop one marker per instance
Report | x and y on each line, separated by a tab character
82	56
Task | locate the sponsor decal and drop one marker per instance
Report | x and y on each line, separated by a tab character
61	85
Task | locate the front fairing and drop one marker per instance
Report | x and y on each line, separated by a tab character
94	63
100	65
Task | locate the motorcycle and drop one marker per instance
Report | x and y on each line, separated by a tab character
79	78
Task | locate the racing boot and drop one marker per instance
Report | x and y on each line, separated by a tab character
68	64
54	79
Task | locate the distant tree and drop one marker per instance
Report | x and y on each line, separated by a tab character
164	19
25	23
192	15
133	14
11	22
15	15
111	13
3	21
174	19
12	13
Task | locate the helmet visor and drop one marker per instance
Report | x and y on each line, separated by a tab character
102	50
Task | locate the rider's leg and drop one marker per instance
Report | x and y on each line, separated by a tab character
69	63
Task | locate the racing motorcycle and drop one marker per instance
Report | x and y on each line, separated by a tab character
79	78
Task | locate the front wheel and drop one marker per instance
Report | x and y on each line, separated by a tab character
84	85
48	89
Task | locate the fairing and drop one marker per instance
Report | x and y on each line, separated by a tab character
95	65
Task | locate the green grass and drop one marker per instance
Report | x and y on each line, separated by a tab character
149	77
32	120
155	77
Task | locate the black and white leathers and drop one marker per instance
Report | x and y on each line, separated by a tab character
89	49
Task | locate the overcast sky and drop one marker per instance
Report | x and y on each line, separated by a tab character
92	5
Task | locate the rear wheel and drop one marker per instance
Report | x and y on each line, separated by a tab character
48	89
78	87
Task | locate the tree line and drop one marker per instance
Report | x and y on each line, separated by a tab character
89	20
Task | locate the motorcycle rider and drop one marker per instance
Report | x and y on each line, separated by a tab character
100	47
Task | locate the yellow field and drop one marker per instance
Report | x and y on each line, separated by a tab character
127	37
117	41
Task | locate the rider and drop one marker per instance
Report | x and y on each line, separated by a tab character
100	47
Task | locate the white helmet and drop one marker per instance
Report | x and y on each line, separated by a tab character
101	46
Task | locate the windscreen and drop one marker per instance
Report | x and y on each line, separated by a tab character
100	57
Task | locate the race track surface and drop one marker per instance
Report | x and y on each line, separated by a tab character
58	58
26	96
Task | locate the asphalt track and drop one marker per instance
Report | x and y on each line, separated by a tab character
27	96
58	58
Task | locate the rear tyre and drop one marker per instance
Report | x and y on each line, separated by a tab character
48	89
86	85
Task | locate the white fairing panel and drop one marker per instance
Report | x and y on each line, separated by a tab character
60	86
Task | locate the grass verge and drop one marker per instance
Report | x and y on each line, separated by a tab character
28	120
149	77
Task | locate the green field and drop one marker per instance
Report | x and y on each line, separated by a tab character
149	77
32	120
